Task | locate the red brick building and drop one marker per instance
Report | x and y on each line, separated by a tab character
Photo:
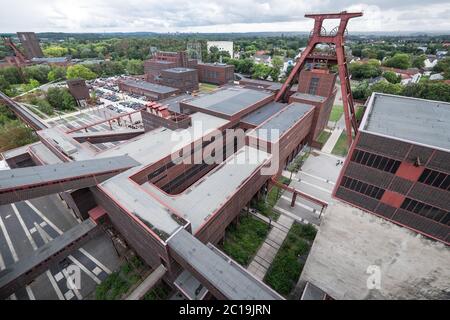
216	73
398	167
316	87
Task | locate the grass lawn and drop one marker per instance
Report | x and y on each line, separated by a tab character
159	292
287	266
266	208
336	113
323	137
341	147
120	282
359	113
207	87
242	242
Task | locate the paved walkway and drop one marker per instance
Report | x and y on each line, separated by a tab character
332	140
265	255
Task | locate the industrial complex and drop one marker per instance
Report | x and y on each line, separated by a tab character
172	187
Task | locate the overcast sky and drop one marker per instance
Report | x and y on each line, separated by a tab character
216	15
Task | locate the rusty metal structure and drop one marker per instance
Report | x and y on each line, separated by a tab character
335	38
20	58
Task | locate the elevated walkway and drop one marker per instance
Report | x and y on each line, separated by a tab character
21	273
106	136
223	277
23	113
32	182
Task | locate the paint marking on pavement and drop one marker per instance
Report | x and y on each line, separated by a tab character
314	186
97	270
55	286
82	267
317	177
13	297
69	280
44	235
300	204
24	227
101	265
68	295
59	276
32	230
43	217
30	293
287	213
8	240
2	263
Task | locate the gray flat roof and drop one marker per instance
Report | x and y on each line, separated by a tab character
14	178
229	101
270	84
179	70
233	281
310	97
419	121
44	154
149	86
282	121
190	286
147	149
200	201
262	114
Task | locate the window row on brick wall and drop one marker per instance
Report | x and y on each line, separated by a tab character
426	211
362	187
435	179
375	161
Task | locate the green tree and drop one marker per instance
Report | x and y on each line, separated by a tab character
386	87
392	77
443	66
11	75
14	134
38	72
261	71
135	66
60	98
419	61
55	51
277	62
360	70
80	71
57	73
399	60
431	90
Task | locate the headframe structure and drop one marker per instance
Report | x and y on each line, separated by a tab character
335	37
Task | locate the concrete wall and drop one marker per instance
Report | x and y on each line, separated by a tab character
350	240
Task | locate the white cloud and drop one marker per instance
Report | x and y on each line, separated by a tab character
216	15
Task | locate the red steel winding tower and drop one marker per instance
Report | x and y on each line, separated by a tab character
335	38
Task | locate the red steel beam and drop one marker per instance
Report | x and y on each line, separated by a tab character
337	39
298	192
106	120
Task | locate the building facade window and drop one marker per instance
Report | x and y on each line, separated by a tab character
435	179
375	161
426	211
313	85
362	187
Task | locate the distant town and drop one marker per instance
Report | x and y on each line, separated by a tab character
243	166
